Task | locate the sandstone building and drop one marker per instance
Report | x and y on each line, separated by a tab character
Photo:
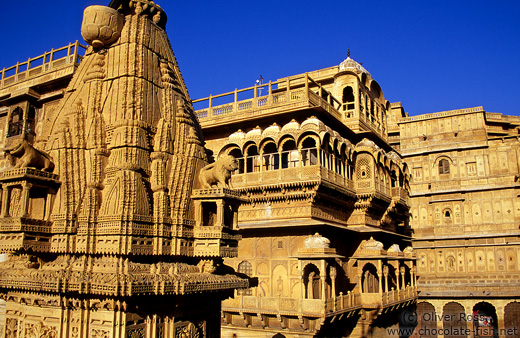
351	214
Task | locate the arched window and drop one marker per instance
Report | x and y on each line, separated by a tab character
252	160
309	152
15	122
312	282
370	279
270	157
348	98
290	156
444	167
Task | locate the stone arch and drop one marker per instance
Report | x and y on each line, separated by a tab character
270	157
512	319
443	163
312	282
309	144
251	154
486	319
453	320
370	279
290	155
427	319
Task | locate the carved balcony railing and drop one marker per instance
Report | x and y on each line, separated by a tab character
398	296
293	306
287	306
401	195
72	54
298	173
266	99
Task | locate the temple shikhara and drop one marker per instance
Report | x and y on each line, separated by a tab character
307	206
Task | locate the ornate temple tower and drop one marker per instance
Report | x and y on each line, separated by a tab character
97	213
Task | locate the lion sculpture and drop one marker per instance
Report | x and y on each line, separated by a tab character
28	156
218	173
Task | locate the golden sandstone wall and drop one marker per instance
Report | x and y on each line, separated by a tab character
465	214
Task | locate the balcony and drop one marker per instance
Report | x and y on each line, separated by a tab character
64	59
282	96
285	306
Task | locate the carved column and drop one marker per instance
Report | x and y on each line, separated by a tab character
310	291
402	272
333	274
220	213
24	201
380	279
5	200
385	273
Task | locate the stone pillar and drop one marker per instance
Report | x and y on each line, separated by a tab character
24	201
380	279
402	272
385	273
220	213
310	293
5	200
333	274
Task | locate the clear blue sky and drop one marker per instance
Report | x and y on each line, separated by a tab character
430	55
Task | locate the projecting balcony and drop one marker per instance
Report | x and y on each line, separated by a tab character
267	100
297	307
292	172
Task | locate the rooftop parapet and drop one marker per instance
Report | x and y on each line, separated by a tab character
48	62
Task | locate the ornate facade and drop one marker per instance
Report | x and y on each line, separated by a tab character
349	214
465	213
325	225
102	213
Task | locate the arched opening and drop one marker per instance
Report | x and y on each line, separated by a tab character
370	279
485	320
290	156
512	319
393	178
15	122
270	157
348	98
392	279
454	323
444	167
252	159
426	320
312	282
309	152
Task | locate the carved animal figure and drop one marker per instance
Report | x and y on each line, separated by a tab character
28	156
219	172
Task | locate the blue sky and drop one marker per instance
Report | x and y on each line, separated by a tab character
430	55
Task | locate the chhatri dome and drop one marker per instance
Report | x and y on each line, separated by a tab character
350	64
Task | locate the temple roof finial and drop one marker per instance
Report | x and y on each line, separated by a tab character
348	53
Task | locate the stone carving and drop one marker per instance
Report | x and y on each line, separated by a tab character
218	173
101	26
316	242
27	156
